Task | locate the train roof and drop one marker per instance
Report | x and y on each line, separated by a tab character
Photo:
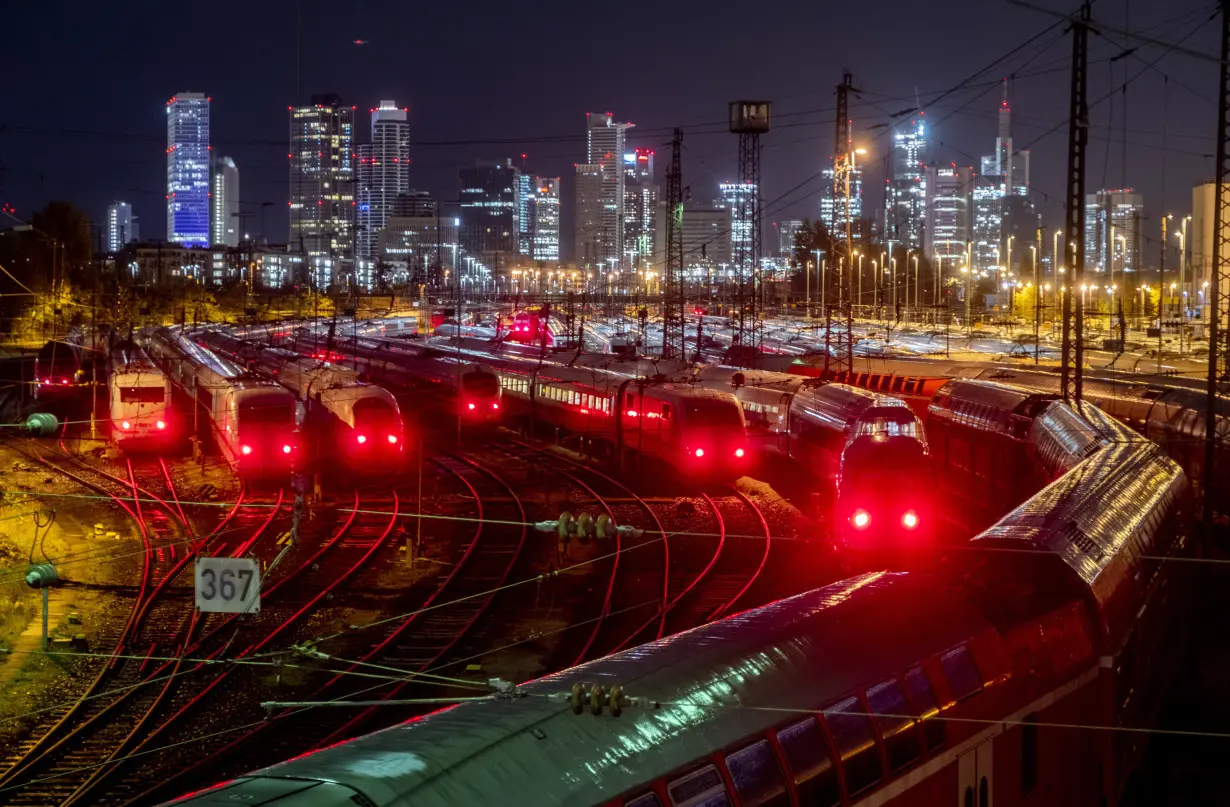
792	656
200	355
1100	520
999	396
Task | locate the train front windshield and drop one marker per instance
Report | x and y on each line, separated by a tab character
377	423
717	417
267	428
143	395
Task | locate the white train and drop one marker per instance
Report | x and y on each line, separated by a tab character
139	397
253	420
350	421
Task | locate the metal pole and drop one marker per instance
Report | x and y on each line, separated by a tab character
46	599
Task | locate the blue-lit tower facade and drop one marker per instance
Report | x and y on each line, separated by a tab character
188	167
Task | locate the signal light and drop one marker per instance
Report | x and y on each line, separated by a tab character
160	424
738	452
392	439
860	519
285	449
700	452
125	425
362	439
246	450
909	520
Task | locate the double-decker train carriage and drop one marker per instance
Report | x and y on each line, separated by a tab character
253	420
139	398
1007	687
978	431
439	377
350	421
914	384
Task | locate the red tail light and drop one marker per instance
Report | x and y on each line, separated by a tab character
161	424
909	520
860	519
471	407
125	425
738	452
362	438
246	450
285	449
700	452
495	406
392	439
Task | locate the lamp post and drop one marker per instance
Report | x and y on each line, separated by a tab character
875	284
860	276
917	302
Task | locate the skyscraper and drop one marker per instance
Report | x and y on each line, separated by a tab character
322	193
600	191
188	169
543	211
947	220
734	197
119	226
640	209
383	173
786	231
1004	174
489	217
833	205
525	212
1112	231
905	190
224	201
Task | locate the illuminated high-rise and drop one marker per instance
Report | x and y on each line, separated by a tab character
786	232
640	209
600	192
120	227
224	204
833	204
322	192
947	221
489	215
188	169
1112	231
906	188
383	174
543	212
735	197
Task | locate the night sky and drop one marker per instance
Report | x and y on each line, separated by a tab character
86	82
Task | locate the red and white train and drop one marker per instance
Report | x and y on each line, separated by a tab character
254	421
1025	680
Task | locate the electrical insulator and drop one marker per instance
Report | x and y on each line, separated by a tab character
42	575
42	424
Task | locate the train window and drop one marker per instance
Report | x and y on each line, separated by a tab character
922	697
630	400
703	788
668	411
1029	753
897	381
647	800
961	673
888	704
143	394
855	741
808	758
757	776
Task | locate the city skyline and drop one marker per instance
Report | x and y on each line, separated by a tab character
452	130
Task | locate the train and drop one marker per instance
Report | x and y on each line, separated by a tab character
1004	682
139	398
621	415
443	383
58	364
352	423
530	327
254	422
1164	409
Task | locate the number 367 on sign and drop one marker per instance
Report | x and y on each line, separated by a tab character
228	585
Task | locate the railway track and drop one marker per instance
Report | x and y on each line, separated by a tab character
424	638
48	766
314	578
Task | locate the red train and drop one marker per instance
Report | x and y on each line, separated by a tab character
1007	685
